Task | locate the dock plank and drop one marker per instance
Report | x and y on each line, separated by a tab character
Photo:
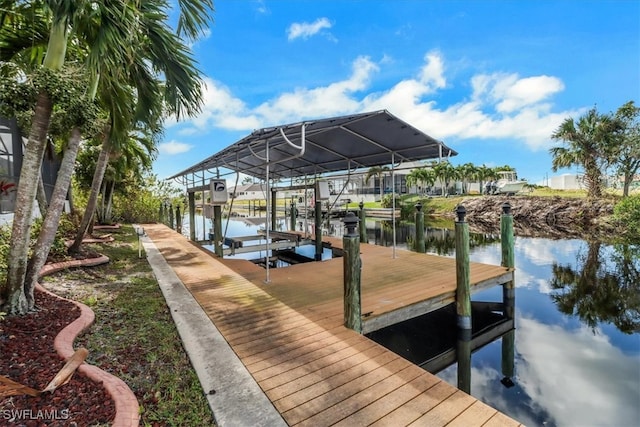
289	333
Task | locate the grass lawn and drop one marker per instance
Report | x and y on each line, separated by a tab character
134	336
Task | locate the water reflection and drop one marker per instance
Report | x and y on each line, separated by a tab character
602	287
576	347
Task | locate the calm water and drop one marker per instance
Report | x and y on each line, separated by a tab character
577	338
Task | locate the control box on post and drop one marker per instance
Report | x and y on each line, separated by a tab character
218	190
322	190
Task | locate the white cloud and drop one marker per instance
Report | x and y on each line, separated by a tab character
333	99
261	7
510	92
579	378
498	106
306	29
174	147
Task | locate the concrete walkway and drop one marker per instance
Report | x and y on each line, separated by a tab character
235	398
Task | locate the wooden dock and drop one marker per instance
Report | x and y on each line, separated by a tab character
289	333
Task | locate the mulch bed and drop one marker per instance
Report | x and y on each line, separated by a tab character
28	357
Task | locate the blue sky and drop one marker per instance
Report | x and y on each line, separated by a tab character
492	79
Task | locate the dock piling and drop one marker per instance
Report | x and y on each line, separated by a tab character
318	229
508	358
178	220
463	356
217	230
508	258
420	244
170	209
463	291
192	216
294	214
352	273
363	224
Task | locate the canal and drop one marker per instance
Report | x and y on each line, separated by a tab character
576	358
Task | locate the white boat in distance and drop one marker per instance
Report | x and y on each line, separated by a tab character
508	183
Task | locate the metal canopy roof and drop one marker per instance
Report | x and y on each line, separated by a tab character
330	145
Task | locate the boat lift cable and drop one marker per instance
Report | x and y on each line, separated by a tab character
226	227
302	148
330	207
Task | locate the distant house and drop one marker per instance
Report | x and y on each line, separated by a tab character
566	181
248	192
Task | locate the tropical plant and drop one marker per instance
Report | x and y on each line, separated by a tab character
587	144
601	289
445	172
625	154
483	173
466	173
422	176
158	50
16	295
379	172
106	34
627	213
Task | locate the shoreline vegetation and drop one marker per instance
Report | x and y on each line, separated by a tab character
540	213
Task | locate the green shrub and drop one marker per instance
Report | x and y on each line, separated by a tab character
627	213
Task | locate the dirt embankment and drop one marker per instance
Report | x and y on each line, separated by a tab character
542	216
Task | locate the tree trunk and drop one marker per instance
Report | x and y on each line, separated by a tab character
592	180
98	175
52	219
628	178
41	196
108	195
13	293
100	211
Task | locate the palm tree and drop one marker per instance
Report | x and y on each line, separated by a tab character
482	174
445	172
64	15
466	172
108	35
586	144
413	178
157	49
127	164
424	176
378	172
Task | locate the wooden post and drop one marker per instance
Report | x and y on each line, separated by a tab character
170	208
363	224
508	258
292	219
217	230
506	236
463	291
463	354
178	220
161	219
352	266
508	358
318	221
420	244
192	216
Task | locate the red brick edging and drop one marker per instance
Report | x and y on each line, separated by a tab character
127	409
